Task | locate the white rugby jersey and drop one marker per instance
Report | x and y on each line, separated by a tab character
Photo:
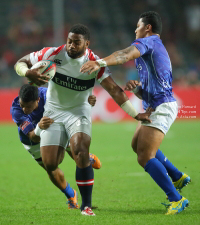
69	88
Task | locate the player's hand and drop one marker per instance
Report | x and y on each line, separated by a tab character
145	116
131	85
36	77
92	100
89	67
45	123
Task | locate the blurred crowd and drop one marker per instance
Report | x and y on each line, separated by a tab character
27	26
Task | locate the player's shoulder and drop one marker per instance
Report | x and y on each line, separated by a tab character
15	110
42	90
146	40
42	93
15	102
46	53
90	55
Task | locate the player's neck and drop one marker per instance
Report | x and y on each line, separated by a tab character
151	34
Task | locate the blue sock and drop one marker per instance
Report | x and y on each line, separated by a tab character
68	191
173	172
85	181
158	172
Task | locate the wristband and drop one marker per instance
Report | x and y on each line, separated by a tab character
129	109
37	130
21	69
102	62
136	90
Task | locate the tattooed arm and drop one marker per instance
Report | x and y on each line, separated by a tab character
122	56
117	58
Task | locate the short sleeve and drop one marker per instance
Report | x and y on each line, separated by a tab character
45	54
104	72
22	121
143	45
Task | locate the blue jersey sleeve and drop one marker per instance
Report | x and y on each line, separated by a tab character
144	45
22	120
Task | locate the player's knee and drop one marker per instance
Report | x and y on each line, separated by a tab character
82	154
80	151
81	157
141	161
50	165
134	146
142	158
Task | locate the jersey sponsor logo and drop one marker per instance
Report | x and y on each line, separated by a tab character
58	61
24	125
73	83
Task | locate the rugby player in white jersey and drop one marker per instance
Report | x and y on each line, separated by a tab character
27	111
67	104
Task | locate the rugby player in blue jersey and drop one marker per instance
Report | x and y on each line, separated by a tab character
155	90
27	111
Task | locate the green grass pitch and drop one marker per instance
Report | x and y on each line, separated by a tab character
123	192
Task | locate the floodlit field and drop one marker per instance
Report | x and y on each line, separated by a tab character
123	192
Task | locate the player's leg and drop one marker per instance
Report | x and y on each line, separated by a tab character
149	139
52	152
179	179
80	143
80	133
94	160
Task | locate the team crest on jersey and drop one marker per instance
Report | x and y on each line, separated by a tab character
58	61
24	125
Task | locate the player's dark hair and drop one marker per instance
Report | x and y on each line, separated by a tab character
28	93
154	19
81	29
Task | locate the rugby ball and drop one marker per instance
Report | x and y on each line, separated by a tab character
48	69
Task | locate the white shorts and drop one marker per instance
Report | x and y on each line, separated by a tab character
34	150
163	116
59	134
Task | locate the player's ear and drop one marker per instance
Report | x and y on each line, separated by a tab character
87	43
149	27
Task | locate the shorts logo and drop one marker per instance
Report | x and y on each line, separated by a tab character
165	127
81	121
24	125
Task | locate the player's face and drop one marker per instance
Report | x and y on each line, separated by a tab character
28	107
76	45
141	29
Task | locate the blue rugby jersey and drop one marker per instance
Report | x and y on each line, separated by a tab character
155	71
27	123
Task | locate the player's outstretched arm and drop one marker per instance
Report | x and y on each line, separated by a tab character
116	58
22	68
44	123
122	100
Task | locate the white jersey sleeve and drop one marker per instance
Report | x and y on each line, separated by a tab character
103	72
45	53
